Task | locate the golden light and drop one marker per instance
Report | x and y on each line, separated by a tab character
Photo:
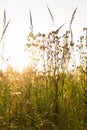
18	29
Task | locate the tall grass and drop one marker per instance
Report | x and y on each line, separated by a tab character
51	99
30	101
5	26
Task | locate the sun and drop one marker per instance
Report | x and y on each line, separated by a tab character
19	62
15	58
21	59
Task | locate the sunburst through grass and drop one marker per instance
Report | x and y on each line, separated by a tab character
45	95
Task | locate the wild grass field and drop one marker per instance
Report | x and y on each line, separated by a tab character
46	96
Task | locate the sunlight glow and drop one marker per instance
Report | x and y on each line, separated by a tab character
18	29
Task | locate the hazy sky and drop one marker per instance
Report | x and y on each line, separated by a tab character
18	11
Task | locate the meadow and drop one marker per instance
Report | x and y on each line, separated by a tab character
53	97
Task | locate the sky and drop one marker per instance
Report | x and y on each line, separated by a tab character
19	27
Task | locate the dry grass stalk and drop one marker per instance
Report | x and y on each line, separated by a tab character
73	15
50	14
4	23
31	23
60	27
4	30
57	31
3	59
4	19
72	18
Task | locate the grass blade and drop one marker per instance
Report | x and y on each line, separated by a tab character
4	30
4	19
73	15
57	31
60	27
71	21
31	23
50	14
